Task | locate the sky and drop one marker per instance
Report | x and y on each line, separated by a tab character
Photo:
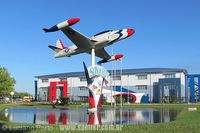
167	35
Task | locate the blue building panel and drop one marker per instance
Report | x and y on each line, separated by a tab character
36	88
191	84
156	93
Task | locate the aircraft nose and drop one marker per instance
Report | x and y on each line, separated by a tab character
130	31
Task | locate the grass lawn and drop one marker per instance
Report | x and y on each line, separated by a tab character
186	122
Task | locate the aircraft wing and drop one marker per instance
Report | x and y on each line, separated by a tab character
77	38
102	54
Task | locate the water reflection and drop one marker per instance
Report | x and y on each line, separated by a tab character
80	116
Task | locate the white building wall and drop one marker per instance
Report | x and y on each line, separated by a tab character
46	84
183	81
128	81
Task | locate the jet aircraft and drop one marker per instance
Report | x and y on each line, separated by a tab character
83	44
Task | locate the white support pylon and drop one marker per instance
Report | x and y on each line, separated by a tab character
93	56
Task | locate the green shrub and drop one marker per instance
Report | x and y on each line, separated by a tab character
64	100
103	101
3	102
53	106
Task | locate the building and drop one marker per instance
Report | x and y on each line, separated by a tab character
158	84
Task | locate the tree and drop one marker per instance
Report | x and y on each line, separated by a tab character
117	99
6	82
21	94
103	100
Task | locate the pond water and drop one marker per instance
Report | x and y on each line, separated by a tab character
80	116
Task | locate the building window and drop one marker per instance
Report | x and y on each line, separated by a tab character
170	90
142	77
45	80
82	88
44	88
116	77
141	87
82	78
171	75
83	98
169	86
63	79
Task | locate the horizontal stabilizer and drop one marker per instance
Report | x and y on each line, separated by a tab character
56	49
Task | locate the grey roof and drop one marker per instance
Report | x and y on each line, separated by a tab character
124	72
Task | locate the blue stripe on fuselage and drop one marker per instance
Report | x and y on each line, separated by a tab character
120	35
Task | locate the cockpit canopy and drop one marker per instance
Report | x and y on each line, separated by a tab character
103	32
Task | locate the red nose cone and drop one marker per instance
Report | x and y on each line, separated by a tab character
73	21
130	32
118	56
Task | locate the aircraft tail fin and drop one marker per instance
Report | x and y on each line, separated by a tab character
59	46
89	81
